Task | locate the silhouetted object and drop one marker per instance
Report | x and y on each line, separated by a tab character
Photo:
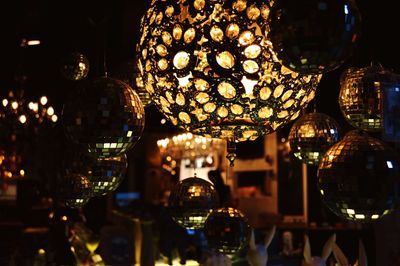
105	116
314	36
257	255
190	202
227	230
343	261
224	191
359	178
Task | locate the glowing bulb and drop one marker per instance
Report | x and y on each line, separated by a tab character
50	111
54	118
33	42
22	172
64	218
22	119
14	105
43	100
5	102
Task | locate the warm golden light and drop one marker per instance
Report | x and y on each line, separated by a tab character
5	102
22	119
14	105
43	100
54	118
50	111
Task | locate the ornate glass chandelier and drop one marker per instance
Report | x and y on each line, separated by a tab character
211	70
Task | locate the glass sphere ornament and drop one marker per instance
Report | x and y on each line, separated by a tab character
311	136
106	116
75	66
210	69
360	96
106	174
129	73
314	36
359	178
74	190
227	230
191	201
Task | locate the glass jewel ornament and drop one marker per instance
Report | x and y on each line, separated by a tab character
210	69
359	178
74	190
106	174
106	116
75	66
360	97
314	36
191	201
227	230
129	73
311	136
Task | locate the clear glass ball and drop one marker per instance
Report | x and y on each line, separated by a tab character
106	174
359	178
75	66
360	97
74	190
311	136
314	36
210	69
227	230
105	116
191	201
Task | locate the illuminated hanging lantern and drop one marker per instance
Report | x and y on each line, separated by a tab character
211	70
128	72
191	201
106	174
74	190
360	96
314	36
106	116
359	178
312	135
75	66
227	230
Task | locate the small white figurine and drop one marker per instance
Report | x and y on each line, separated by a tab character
257	255
317	261
343	261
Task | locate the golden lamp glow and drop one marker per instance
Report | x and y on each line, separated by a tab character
43	100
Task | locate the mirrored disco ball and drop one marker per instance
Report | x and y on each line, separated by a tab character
74	190
190	202
359	178
210	69
312	135
75	66
314	36
360	96
106	174
129	73
106	116
227	230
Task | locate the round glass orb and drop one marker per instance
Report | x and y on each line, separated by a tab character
360	97
312	135
75	190
75	66
227	230
106	174
314	36
129	73
359	178
191	201
106	116
211	70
